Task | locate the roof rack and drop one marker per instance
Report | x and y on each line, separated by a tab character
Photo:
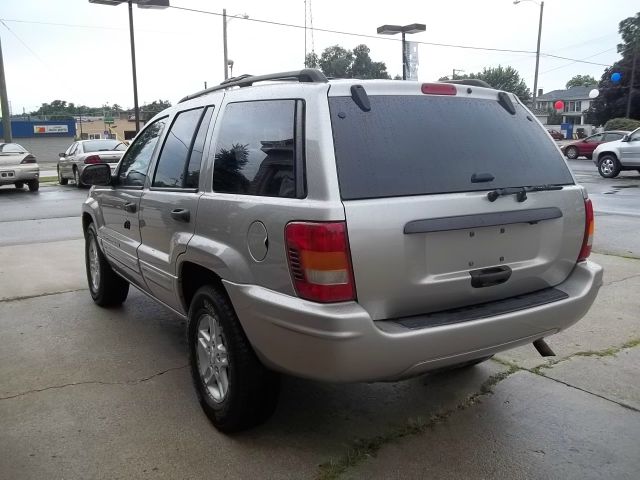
473	82
307	75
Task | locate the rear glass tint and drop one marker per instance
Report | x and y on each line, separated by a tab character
418	145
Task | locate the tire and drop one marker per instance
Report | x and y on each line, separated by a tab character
252	390
19	185
34	185
608	166
76	178
106	287
572	153
61	179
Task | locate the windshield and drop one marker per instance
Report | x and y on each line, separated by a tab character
417	145
103	145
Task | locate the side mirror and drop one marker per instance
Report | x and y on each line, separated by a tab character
62	155
98	174
625	138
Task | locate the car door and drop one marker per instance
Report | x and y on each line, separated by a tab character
168	206
120	234
630	150
65	162
589	144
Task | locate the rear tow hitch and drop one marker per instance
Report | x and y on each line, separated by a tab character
543	348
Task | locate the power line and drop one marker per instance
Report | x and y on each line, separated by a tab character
363	35
574	62
24	44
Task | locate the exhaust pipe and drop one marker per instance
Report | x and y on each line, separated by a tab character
543	348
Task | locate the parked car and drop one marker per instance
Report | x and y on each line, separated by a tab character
88	152
18	167
586	146
341	231
614	157
556	135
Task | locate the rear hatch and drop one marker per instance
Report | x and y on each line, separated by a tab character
415	172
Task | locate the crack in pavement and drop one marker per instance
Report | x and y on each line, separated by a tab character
95	382
27	297
637	275
361	449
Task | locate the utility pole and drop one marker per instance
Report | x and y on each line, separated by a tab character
535	78
4	102
133	68
454	73
633	78
224	41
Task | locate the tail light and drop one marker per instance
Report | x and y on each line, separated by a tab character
320	261
92	159
589	227
439	89
28	159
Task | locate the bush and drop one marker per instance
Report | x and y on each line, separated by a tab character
622	124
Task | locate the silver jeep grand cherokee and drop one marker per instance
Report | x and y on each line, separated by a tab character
341	230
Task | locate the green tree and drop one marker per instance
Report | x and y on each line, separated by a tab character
504	78
582	81
612	101
338	62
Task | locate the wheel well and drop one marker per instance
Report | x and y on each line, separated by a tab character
194	276
86	220
602	154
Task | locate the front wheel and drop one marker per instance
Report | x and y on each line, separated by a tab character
572	153
106	287
235	390
609	166
61	179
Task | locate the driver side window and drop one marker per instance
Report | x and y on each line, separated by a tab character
135	163
635	137
595	138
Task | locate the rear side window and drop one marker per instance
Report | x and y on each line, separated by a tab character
171	168
135	163
417	145
257	149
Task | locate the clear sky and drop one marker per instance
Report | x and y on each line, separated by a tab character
85	59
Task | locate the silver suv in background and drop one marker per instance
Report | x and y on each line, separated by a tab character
614	157
342	231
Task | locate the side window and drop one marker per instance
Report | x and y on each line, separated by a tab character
72	149
635	136
256	149
172	162
610	137
195	161
135	163
13	148
595	138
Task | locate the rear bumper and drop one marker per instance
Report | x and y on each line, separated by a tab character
21	173
340	342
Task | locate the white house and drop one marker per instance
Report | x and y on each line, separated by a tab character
576	103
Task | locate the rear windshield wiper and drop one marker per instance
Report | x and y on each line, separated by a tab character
520	192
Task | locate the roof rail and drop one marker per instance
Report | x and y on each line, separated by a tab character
474	82
307	75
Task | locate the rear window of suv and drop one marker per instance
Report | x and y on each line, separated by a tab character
419	145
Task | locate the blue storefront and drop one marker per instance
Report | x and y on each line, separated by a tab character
43	138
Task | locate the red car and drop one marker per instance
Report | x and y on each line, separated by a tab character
586	146
556	135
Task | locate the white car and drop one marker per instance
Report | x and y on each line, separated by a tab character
613	157
18	167
87	152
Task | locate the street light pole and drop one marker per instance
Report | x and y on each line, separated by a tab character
393	29
224	42
133	68
4	102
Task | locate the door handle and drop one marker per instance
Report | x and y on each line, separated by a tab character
487	277
181	214
130	207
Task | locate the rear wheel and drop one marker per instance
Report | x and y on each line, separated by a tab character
106	287
19	185
609	166
76	178
34	185
572	153
61	179
235	390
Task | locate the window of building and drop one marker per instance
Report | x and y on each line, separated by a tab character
257	149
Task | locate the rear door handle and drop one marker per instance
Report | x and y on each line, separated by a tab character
130	207
181	214
487	277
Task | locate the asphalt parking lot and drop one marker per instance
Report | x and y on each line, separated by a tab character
93	393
